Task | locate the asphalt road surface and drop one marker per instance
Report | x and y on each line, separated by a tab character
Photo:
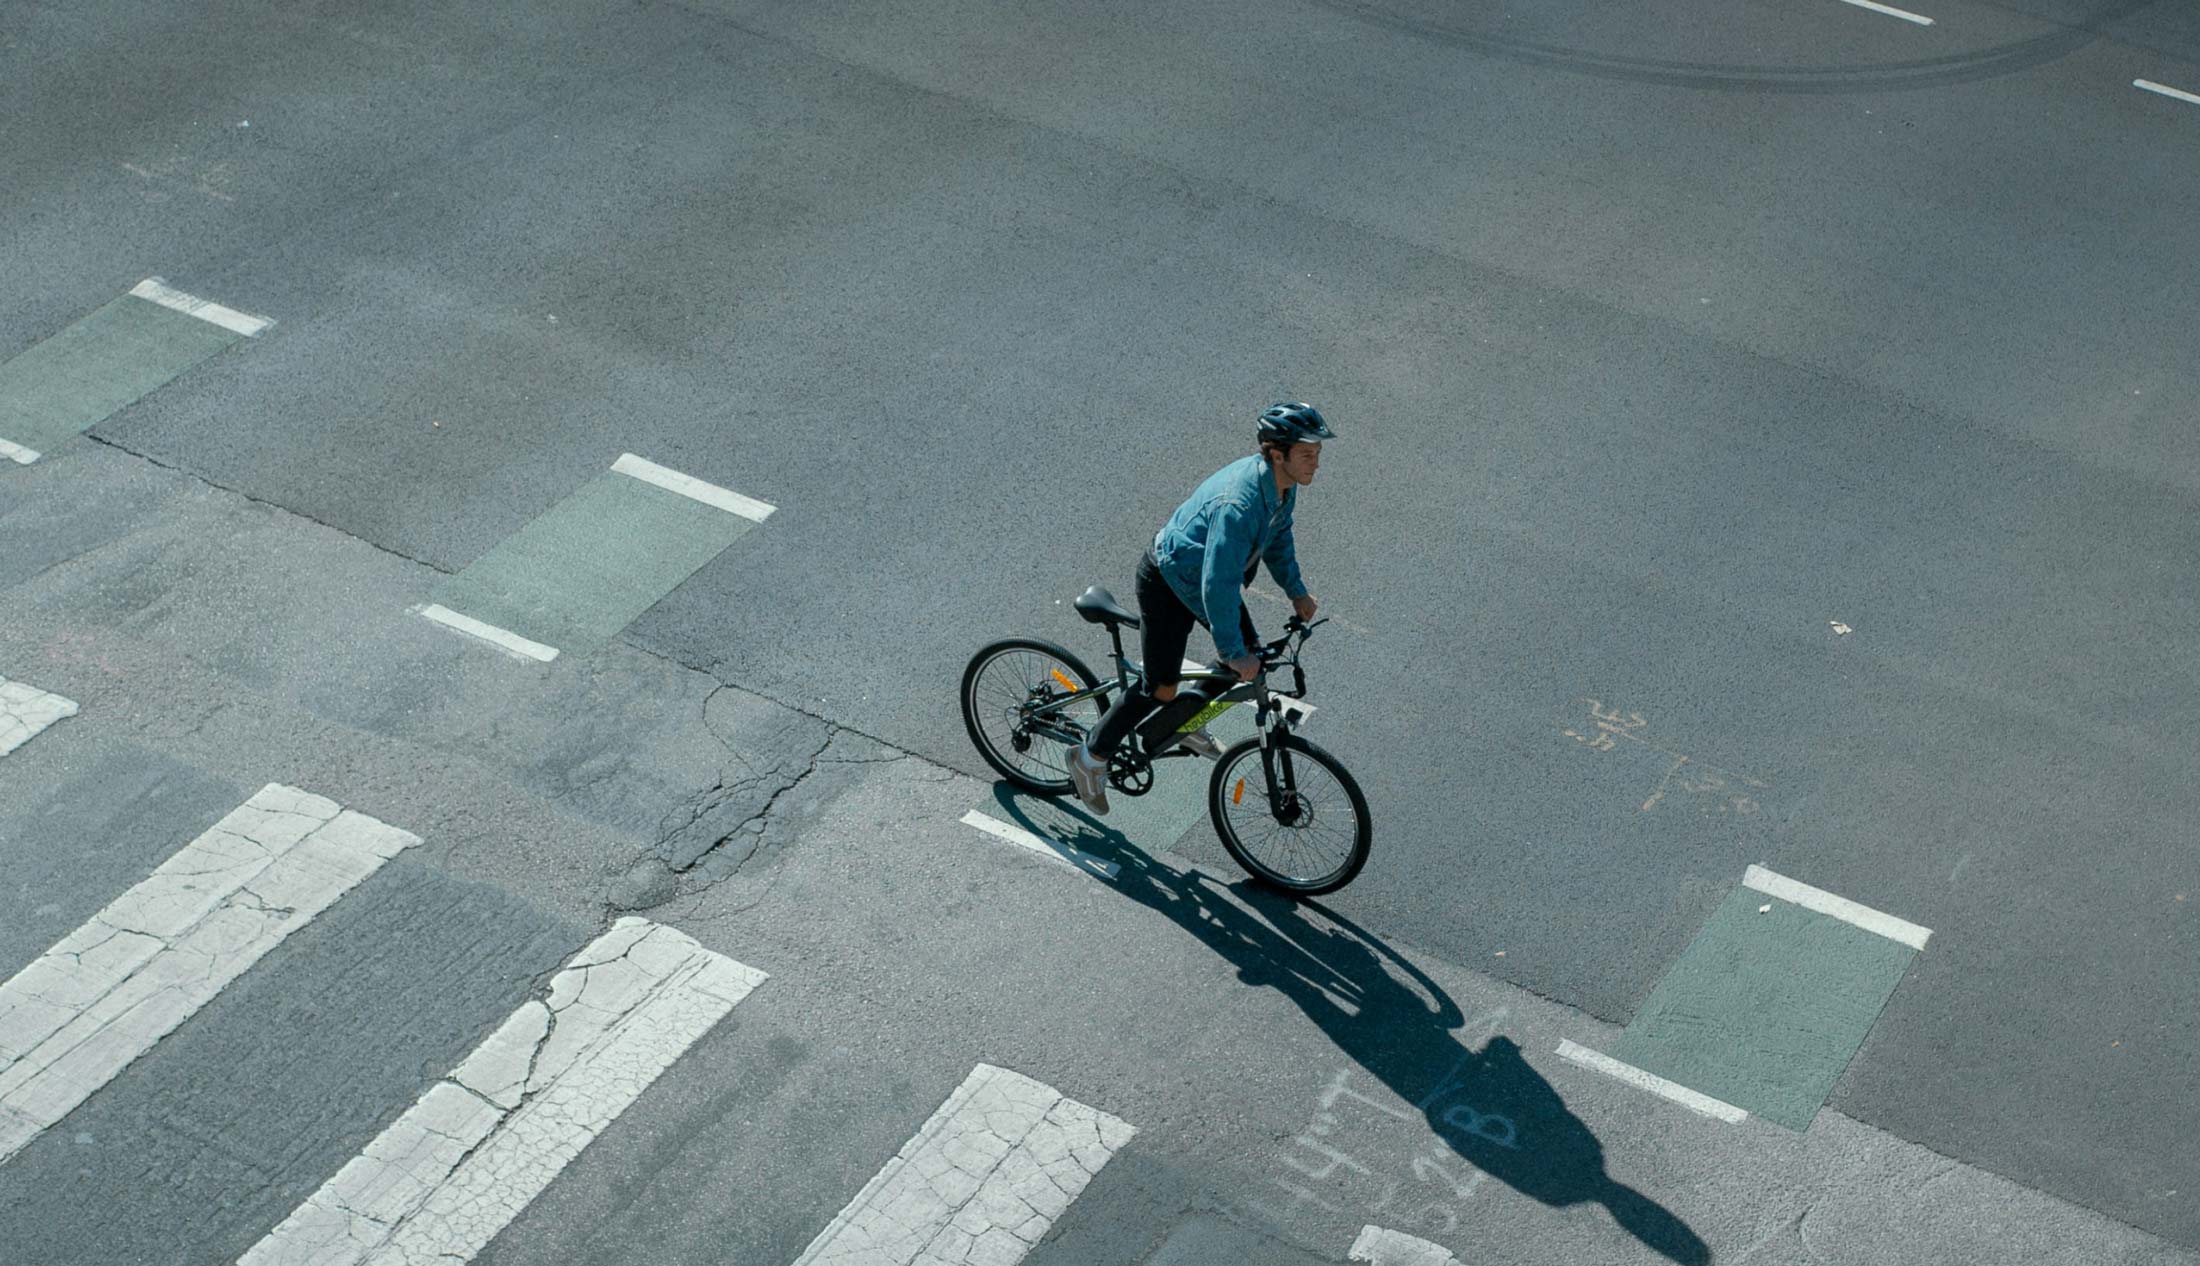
495	501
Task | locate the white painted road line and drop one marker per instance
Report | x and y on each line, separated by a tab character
1063	853
1890	12
980	1182
1841	908
111	989
25	710
2165	90
160	292
689	486
1693	1100
480	1145
1395	1248
17	453
503	639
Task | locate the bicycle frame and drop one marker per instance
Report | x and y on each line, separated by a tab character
1275	758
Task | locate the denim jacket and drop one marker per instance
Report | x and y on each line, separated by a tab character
1210	547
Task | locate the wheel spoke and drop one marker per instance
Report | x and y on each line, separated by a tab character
1321	844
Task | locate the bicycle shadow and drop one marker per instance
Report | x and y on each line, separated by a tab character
1488	1105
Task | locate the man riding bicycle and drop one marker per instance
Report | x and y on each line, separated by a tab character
1208	551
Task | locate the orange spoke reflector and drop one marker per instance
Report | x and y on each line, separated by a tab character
1238	796
1067	684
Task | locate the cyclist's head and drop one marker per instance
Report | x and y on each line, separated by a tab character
1292	422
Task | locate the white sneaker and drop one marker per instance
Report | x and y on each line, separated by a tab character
1200	743
1089	774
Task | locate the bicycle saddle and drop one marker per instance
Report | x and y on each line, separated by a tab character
1098	606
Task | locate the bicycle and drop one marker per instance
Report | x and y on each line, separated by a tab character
1305	832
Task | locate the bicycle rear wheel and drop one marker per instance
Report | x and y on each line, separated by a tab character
1313	839
1003	691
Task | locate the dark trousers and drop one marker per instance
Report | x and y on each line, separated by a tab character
1164	630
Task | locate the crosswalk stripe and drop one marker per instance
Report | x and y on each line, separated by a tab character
1396	1248
25	710
980	1182
108	991
481	1144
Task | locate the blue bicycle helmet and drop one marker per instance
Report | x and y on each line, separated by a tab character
1293	422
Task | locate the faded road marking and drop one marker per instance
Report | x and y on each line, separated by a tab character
480	1145
1693	1100
111	989
503	639
981	1181
1063	853
168	296
25	710
1395	1248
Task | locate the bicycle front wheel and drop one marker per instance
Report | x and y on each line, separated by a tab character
1312	836
1006	693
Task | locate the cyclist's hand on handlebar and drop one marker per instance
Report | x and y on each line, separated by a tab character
1245	666
1305	605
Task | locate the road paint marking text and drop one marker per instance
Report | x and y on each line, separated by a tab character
108	991
1612	727
981	1181
481	1144
1693	1100
1802	894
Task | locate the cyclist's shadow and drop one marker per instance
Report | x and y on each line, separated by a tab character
1488	1105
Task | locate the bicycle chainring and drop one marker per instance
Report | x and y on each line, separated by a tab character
1130	772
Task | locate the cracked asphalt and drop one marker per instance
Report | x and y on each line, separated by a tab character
1765	439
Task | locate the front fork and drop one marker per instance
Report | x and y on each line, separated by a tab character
1275	762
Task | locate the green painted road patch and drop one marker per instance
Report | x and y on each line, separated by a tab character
1766	1007
580	572
66	385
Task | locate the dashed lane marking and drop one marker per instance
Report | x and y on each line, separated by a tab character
1786	889
17	453
2166	91
505	639
484	1142
168	296
1693	1100
1891	12
689	486
108	991
1396	1248
980	1182
1054	850
25	710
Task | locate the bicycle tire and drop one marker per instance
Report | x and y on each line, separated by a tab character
1010	764
1226	797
